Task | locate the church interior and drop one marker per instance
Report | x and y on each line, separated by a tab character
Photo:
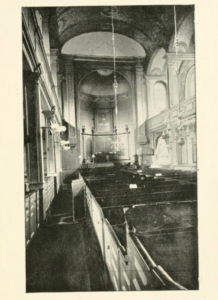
110	148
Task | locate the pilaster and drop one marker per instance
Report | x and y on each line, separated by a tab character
141	104
70	94
54	64
34	143
174	62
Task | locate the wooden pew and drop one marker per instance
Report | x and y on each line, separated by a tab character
142	190
169	235
125	201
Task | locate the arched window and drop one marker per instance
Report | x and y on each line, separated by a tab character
190	84
160	96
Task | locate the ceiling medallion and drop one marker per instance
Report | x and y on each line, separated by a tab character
106	26
107	11
104	72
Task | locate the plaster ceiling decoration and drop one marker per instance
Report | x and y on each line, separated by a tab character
100	44
104	72
107	11
98	86
88	103
96	91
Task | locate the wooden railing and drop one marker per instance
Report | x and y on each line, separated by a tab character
118	145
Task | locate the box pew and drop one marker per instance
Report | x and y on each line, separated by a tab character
101	183
116	184
142	190
130	264
129	200
117	221
128	269
172	174
168	232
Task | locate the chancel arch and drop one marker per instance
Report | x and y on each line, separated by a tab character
97	109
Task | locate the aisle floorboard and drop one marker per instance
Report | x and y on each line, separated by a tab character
64	258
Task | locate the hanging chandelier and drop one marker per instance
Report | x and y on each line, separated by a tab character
115	84
167	134
179	137
117	146
176	43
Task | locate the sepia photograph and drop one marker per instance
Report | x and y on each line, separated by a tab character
110	148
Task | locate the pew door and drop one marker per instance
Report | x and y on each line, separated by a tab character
78	199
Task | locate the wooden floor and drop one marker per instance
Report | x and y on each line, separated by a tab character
64	257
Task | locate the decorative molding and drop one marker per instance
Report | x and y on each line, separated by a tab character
54	53
142	140
28	47
186	110
156	77
173	57
98	60
44	57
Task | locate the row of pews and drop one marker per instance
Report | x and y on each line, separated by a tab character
146	224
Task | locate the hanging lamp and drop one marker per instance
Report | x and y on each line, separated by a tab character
115	84
167	132
180	139
117	146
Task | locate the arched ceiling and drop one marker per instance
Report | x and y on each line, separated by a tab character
151	26
100	44
157	63
185	35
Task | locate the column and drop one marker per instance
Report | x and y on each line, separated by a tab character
54	69
149	96
141	105
70	114
70	101
59	90
174	160
45	33
173	81
35	146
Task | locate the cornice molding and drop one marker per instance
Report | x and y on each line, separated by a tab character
172	57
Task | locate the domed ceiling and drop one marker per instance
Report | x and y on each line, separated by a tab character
98	85
96	90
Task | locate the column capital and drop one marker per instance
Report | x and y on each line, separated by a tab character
54	53
49	114
139	67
